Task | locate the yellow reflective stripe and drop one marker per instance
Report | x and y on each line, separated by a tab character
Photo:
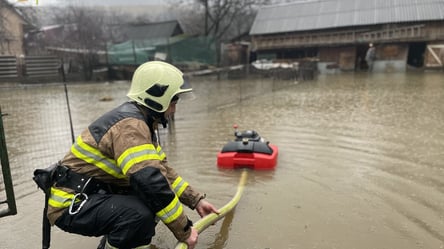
59	198
93	156
160	152
135	155
179	185
171	212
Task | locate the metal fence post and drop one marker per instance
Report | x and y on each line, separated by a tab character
6	170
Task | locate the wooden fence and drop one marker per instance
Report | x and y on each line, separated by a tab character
30	69
8	68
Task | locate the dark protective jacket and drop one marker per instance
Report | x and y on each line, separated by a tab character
120	148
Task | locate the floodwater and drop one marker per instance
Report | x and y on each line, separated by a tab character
360	159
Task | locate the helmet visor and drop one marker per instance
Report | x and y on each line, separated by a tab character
186	93
185	96
186	86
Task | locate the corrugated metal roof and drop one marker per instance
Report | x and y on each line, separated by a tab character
324	14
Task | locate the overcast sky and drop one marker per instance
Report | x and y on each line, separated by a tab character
86	2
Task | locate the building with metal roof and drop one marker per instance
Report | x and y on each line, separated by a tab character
337	32
327	14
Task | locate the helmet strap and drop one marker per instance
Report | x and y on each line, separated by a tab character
152	117
163	121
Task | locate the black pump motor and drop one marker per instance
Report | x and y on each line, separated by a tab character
251	135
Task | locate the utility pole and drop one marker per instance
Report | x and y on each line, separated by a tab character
205	3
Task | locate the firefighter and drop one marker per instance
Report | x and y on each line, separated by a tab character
370	57
115	181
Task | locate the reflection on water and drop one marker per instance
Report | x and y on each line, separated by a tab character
360	163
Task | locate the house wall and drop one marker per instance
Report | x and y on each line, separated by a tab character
13	24
435	30
332	60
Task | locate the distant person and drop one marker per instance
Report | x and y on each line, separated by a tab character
115	180
370	57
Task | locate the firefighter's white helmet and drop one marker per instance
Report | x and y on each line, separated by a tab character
155	83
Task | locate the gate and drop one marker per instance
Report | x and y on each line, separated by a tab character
436	56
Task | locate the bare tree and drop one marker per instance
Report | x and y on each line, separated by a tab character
82	34
222	20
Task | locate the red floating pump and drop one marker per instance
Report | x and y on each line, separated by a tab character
248	150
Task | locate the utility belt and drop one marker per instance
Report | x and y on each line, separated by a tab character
61	176
66	178
82	185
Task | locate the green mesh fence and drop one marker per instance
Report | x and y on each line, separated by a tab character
196	49
130	52
178	49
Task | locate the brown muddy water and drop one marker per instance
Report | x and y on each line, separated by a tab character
360	159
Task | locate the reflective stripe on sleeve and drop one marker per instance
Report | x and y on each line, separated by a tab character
93	156
179	185
160	152
171	212
135	155
59	198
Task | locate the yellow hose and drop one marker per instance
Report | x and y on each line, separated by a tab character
210	219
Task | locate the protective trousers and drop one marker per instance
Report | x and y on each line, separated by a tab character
123	219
